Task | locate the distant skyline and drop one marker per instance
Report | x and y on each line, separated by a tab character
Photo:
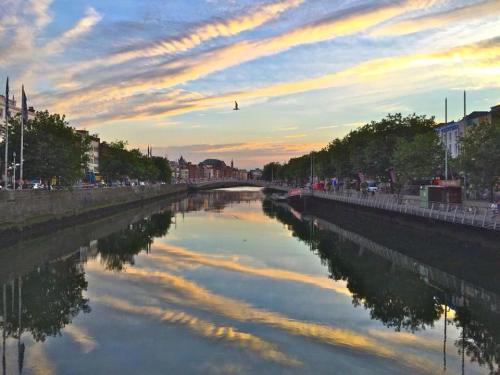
166	74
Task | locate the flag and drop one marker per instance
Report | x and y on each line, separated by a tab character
7	113
24	107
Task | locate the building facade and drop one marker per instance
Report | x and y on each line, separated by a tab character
93	153
450	133
14	109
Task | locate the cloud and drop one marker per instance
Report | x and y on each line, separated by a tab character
248	154
204	32
219	28
183	69
81	336
206	329
441	19
187	293
475	64
171	253
82	27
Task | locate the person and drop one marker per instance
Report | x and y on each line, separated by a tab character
494	209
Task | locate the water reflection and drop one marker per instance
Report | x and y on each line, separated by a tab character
397	290
42	302
119	249
175	283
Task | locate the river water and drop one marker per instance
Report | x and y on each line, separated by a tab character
226	282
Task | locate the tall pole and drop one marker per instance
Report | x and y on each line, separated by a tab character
4	321
6	138
14	172
446	143
22	153
20	347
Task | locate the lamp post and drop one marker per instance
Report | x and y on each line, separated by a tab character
14	172
446	136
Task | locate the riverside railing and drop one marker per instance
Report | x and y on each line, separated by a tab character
481	217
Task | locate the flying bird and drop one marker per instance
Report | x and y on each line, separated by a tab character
236	108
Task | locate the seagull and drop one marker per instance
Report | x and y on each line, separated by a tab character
236	106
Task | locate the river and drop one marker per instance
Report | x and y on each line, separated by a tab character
228	282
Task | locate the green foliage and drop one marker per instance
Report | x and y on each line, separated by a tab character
420	157
51	148
164	172
272	171
118	163
368	149
480	155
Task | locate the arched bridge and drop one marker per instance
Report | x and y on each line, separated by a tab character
228	183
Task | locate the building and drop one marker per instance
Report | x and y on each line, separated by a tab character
450	133
93	153
242	174
14	109
495	114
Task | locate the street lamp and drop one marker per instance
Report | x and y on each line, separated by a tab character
14	173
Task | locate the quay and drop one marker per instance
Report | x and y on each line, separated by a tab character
26	209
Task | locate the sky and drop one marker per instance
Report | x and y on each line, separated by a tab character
166	73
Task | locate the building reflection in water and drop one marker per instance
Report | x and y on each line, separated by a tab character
402	293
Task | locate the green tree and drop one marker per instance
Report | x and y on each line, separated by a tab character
419	157
368	149
164	172
51	148
480	155
272	171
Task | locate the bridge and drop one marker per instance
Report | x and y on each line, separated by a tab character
229	183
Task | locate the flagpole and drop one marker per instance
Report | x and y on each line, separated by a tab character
24	115
22	154
6	136
6	149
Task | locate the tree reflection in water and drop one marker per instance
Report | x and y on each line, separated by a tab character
47	299
120	248
397	297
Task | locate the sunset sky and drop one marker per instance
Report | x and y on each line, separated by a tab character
166	73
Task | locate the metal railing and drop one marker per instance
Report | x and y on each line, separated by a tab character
481	217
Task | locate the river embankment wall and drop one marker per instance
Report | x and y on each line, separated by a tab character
21	210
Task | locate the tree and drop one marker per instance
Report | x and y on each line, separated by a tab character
368	149
118	163
417	158
51	148
272	171
164	173
480	155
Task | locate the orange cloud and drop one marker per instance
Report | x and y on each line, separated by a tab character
190	68
188	293
204	328
168	251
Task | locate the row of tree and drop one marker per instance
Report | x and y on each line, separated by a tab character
53	149
119	163
408	145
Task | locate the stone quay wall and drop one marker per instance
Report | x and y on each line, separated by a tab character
27	208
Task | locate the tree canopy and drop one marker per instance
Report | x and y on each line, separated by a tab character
117	163
480	155
51	148
368	149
